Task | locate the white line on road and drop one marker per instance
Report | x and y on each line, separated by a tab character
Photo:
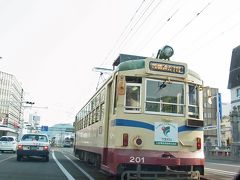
7	159
223	164
62	168
84	172
217	171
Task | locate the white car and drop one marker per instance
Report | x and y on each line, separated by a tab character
33	145
8	143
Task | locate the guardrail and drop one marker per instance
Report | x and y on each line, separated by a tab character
223	153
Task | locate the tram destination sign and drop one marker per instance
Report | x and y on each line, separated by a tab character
166	67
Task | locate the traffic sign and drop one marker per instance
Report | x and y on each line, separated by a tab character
69	130
209	128
44	128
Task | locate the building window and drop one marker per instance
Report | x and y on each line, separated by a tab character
238	92
238	108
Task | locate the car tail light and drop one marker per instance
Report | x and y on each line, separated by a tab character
199	143
125	139
45	148
20	146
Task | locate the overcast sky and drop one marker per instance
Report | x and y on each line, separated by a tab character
51	46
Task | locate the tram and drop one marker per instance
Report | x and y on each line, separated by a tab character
146	120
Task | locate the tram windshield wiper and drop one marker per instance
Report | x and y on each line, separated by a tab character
163	85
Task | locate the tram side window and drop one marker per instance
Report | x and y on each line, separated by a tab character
132	100
193	108
101	111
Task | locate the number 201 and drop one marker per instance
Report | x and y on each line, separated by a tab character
134	159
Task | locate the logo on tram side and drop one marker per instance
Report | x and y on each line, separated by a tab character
166	67
166	130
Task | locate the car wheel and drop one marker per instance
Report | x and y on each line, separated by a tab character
47	158
19	158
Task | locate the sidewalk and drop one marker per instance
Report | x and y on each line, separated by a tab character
223	161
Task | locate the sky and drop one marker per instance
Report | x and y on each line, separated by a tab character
52	46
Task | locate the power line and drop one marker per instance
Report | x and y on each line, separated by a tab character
189	22
132	28
222	33
213	26
124	30
166	21
139	27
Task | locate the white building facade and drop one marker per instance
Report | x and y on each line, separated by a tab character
11	110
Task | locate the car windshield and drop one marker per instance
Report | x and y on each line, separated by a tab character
34	137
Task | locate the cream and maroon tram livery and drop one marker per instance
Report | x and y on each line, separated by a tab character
147	117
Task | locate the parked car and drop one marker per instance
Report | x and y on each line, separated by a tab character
33	145
8	143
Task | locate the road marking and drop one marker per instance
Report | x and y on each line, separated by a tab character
7	159
217	171
223	164
84	172
66	173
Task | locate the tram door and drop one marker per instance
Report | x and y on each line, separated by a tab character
107	112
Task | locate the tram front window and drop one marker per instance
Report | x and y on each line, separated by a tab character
193	108
162	97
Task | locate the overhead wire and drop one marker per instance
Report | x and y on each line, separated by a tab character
166	20
123	32
216	37
132	28
211	28
139	27
189	22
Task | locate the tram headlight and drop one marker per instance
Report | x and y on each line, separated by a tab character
137	141
165	53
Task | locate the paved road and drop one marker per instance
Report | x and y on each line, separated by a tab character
63	165
221	170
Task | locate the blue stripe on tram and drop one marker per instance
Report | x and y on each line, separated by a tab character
144	125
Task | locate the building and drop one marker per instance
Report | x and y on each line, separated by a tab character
32	125
234	86
234	78
59	132
215	111
210	114
226	131
11	110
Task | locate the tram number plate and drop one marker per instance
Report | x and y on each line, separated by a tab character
136	159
